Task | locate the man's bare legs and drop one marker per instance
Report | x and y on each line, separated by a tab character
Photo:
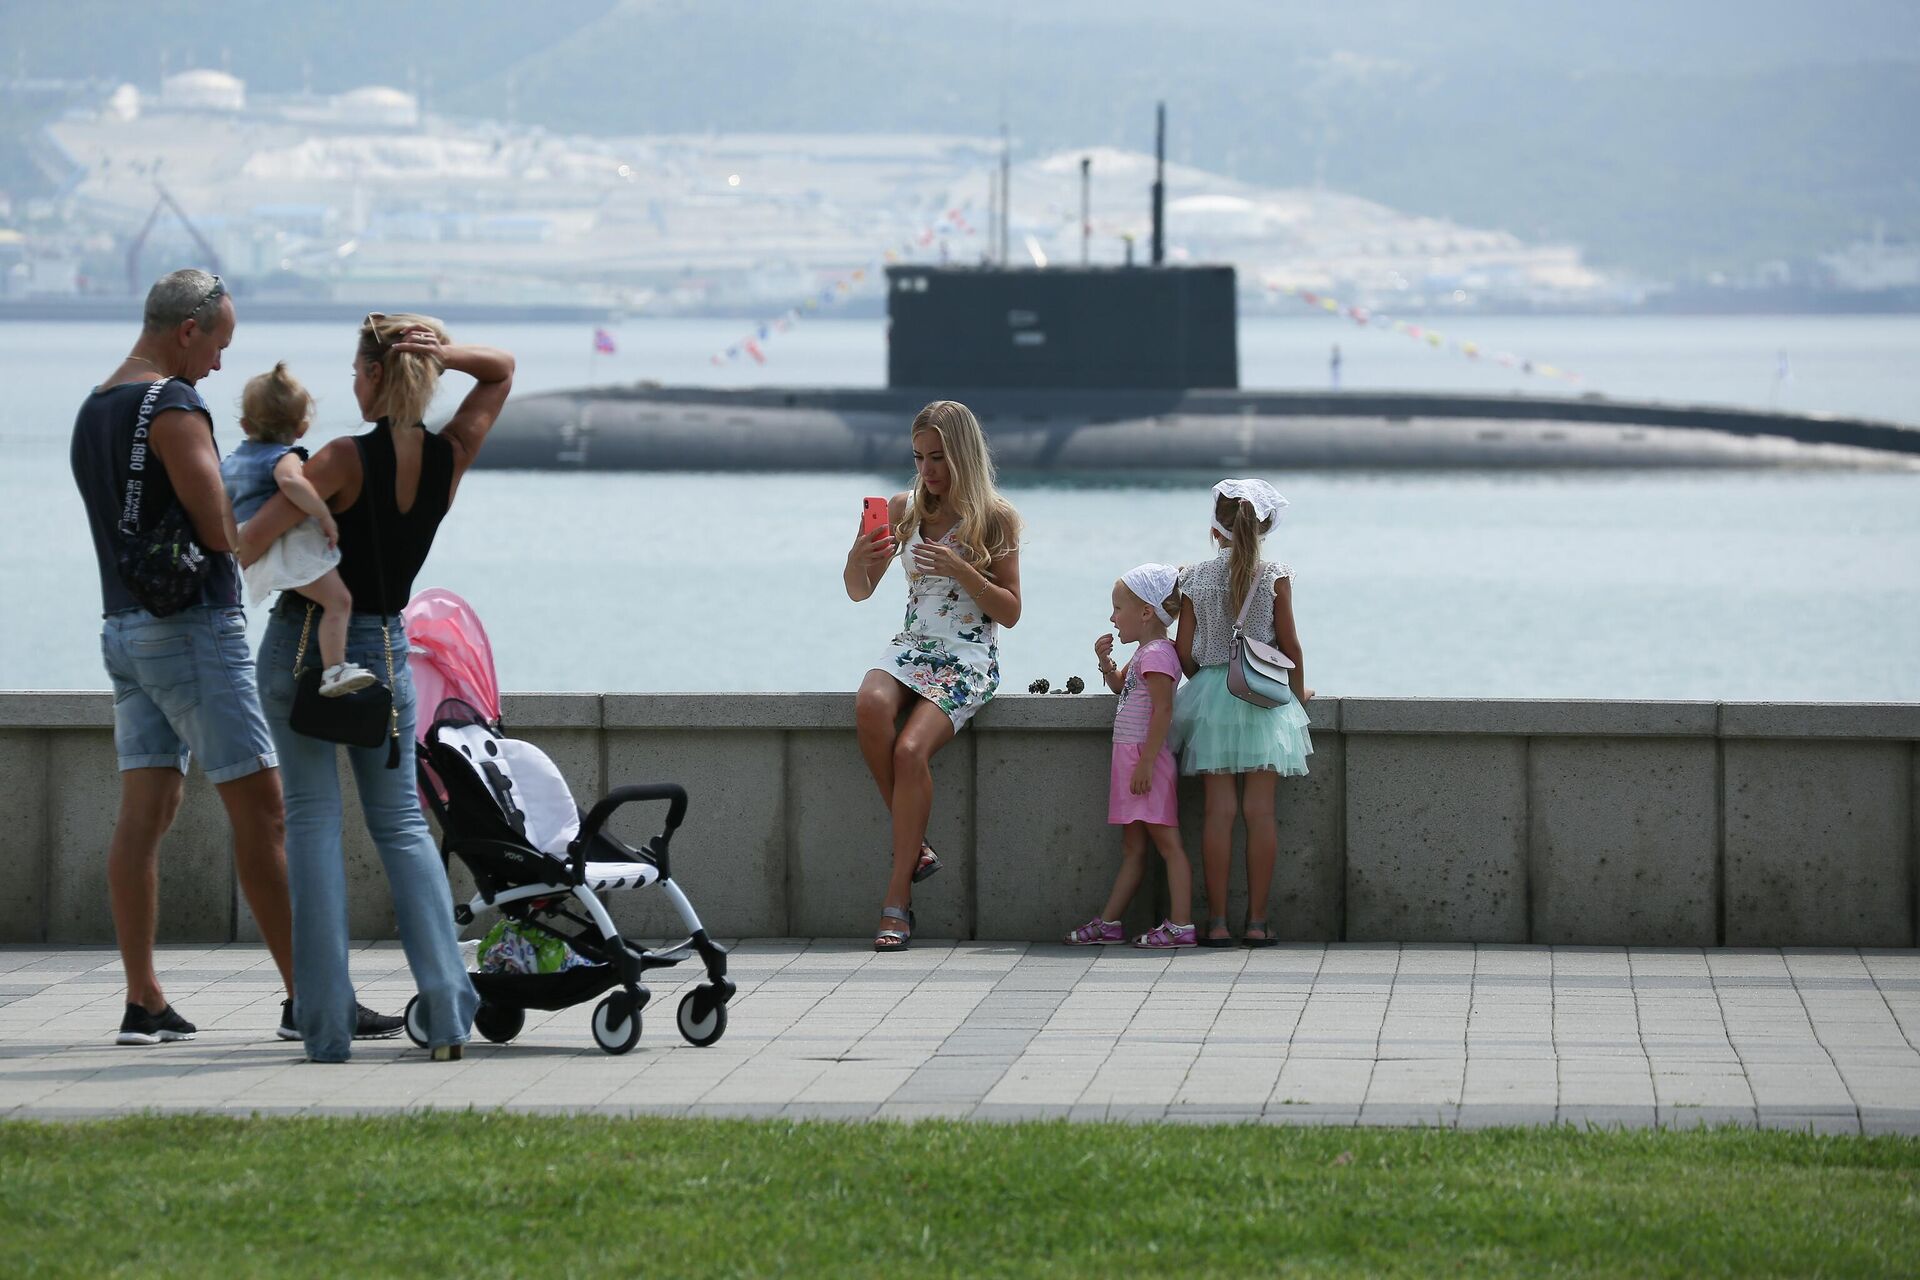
149	800
259	820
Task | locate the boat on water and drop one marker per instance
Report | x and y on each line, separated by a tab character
1098	369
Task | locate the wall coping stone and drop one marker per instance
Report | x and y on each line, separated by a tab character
1530	717
56	709
1508	717
551	710
1820	720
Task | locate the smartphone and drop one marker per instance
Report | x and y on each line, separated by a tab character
873	515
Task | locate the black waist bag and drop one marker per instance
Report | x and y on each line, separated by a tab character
161	565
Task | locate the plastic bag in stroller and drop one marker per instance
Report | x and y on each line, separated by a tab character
505	811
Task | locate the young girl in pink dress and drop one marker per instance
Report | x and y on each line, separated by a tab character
1140	793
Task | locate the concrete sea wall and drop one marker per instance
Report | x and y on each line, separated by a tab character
1423	820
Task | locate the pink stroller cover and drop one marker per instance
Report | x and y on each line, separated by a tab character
449	656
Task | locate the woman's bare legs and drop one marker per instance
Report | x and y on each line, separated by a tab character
1263	841
927	730
876	710
1216	841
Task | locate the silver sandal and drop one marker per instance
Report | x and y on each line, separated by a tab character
895	939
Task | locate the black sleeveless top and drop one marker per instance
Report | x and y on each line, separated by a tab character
104	454
403	540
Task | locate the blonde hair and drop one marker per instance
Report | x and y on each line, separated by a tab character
407	378
274	406
1236	516
988	527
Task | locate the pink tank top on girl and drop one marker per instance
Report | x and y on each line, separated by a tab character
1134	715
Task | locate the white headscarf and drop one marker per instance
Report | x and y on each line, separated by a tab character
1153	583
1266	501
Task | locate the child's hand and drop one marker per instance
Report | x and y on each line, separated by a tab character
1142	776
1103	649
328	527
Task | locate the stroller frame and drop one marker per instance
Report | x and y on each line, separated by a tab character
538	890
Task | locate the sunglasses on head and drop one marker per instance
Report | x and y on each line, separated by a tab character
214	294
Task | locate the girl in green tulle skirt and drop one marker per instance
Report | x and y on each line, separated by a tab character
1240	750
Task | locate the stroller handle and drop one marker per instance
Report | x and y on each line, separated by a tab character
672	792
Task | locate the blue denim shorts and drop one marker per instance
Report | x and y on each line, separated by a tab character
183	686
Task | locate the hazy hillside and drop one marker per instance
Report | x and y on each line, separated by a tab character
1703	133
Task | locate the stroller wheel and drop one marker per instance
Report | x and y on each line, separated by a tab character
702	1016
416	1020
616	1023
497	1022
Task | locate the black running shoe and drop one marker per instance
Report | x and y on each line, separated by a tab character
141	1027
367	1025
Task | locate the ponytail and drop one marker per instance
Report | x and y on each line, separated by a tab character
408	379
1236	516
274	406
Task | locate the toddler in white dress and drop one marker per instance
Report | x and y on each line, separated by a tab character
275	411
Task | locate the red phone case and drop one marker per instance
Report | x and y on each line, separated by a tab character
873	515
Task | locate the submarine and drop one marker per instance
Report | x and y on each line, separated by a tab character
1135	369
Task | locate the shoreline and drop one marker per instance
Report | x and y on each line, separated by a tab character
461	311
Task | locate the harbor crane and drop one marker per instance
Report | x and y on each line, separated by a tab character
166	201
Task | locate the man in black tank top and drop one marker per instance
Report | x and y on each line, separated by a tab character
183	684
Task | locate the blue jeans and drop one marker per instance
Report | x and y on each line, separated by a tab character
184	685
324	1002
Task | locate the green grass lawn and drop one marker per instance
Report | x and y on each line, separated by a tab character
485	1194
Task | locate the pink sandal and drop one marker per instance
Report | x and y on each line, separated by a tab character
1167	936
1097	932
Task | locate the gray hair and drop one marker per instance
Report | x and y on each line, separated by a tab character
180	296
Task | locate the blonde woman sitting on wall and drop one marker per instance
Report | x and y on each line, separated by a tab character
963	584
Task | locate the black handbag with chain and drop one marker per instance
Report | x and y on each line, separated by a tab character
365	717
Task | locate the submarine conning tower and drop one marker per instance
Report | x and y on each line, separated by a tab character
1084	328
1168	328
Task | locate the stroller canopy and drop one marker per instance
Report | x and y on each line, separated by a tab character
449	655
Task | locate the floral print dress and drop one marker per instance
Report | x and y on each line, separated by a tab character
949	650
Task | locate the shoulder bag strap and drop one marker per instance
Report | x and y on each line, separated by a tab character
131	493
380	578
1240	623
386	639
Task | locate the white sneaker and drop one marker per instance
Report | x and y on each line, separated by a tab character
344	677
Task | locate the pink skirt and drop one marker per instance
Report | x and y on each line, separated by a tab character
1159	807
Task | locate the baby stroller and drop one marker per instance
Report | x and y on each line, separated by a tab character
505	811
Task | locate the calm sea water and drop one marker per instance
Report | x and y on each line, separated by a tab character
1640	585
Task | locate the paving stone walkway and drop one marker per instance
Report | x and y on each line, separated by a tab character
1335	1035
